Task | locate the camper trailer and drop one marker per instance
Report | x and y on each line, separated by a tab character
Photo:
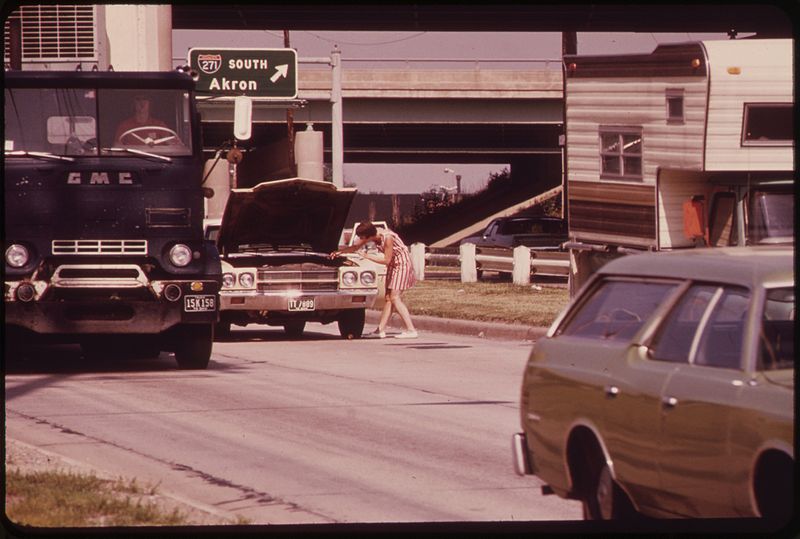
689	146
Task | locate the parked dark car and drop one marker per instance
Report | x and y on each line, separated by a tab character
535	232
666	389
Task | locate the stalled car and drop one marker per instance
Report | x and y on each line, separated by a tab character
666	388
274	240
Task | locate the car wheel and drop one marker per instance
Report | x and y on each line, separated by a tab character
294	328
193	343
606	500
351	323
222	331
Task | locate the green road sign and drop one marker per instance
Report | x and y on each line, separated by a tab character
268	73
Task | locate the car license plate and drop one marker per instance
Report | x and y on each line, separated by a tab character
301	304
199	303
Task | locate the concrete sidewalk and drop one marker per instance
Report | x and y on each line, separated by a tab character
486	330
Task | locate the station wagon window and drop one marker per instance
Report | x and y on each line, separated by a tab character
721	341
621	153
768	124
675	105
675	337
616	309
776	340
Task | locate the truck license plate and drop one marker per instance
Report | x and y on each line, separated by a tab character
301	304
199	303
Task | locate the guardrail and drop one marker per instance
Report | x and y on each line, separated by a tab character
467	261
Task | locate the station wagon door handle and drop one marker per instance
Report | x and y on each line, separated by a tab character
669	402
611	391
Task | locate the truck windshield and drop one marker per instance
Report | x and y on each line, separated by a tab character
89	122
772	217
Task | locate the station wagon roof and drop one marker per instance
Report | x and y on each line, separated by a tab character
745	266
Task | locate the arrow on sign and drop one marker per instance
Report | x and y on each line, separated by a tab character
280	71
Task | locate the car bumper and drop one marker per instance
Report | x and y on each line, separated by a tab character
521	454
259	301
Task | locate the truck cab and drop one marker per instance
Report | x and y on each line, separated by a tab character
104	238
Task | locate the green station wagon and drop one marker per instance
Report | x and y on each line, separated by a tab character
666	388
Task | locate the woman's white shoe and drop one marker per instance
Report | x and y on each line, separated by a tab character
407	335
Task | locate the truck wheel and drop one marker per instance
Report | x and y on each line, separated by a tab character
351	323
193	346
294	328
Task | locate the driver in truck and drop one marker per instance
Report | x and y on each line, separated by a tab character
135	129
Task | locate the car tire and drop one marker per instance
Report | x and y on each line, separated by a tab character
606	500
294	328
193	343
222	331
351	323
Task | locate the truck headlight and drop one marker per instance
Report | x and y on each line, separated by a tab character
17	255
349	278
228	280
246	280
368	278
180	255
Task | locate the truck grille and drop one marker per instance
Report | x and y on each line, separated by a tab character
99	247
325	280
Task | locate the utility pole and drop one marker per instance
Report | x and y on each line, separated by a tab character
290	120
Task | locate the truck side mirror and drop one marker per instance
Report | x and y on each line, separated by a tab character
242	117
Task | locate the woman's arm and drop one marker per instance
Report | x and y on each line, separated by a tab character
350	248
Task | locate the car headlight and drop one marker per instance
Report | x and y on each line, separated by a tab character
246	280
17	255
368	278
180	255
349	278
228	280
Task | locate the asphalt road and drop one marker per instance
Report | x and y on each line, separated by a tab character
305	431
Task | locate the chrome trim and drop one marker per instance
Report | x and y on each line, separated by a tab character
98	280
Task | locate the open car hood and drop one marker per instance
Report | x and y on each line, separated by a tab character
285	214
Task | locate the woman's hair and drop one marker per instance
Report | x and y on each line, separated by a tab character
366	230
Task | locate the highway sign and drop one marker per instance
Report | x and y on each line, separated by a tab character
265	73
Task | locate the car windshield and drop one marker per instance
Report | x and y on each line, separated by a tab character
87	122
772	216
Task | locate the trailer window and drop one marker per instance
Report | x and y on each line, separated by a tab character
768	124
675	105
621	153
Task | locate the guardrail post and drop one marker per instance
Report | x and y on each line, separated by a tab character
418	260
522	265
469	270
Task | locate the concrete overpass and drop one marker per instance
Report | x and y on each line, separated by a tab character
479	112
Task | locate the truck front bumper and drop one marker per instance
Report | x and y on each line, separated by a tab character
164	306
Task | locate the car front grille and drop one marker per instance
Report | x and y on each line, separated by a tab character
322	280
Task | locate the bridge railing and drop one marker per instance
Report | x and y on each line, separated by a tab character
464	262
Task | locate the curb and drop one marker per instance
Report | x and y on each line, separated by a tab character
485	330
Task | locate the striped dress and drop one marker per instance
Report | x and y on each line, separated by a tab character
399	272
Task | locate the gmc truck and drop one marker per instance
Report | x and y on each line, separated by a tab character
104	240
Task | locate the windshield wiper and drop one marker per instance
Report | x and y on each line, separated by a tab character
42	155
139	152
